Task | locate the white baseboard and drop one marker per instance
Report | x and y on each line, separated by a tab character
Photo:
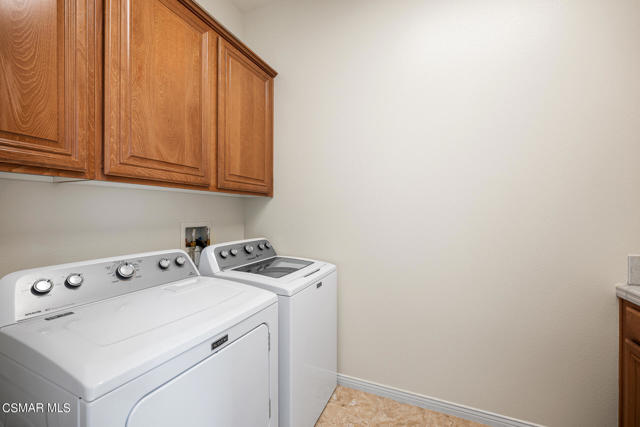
433	404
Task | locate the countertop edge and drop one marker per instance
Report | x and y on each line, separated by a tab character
629	293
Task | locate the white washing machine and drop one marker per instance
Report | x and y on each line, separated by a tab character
307	306
138	341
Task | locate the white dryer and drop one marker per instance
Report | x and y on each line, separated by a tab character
307	306
138	341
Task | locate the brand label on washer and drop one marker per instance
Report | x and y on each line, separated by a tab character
57	316
219	342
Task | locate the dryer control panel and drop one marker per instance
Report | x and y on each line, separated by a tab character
40	291
240	253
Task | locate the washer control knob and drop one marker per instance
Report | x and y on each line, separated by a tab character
126	270
248	249
268	245
74	280
42	286
164	263
180	260
234	252
261	246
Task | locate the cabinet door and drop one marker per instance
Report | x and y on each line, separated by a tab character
159	92
631	384
47	66
245	123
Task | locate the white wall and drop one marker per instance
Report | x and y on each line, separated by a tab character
43	223
226	13
472	168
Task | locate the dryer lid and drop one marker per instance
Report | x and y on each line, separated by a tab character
93	349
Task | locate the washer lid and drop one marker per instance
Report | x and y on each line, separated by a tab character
275	267
95	348
287	284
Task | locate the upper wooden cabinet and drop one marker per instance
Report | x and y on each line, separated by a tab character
47	63
160	62
245	123
142	91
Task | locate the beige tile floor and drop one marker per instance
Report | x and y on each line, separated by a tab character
349	407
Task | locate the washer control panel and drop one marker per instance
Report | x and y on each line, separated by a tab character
39	291
233	255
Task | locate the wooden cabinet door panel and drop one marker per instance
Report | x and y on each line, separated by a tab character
245	123
631	388
46	65
159	92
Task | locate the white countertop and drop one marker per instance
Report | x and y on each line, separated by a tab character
630	293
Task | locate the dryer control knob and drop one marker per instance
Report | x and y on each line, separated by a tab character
268	245
126	270
248	249
164	263
180	260
74	281
234	252
42	286
224	254
261	246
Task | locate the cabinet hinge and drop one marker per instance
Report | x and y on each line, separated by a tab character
269	407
